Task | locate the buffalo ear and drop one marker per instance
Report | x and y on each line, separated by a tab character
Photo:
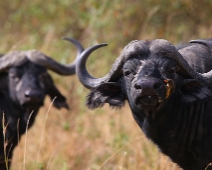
110	93
59	99
54	94
193	90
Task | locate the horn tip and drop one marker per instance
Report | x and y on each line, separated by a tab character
68	38
197	41
192	41
104	44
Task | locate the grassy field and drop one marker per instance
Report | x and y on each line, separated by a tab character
87	140
101	139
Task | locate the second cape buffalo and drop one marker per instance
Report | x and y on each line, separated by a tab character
24	83
169	91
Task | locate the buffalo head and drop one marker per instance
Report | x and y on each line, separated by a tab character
146	74
28	81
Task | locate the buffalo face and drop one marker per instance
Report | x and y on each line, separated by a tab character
26	84
147	82
29	84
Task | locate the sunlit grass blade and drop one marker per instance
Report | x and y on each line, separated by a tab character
42	133
24	161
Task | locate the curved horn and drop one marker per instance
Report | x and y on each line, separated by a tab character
79	47
208	43
132	48
89	81
85	78
165	48
207	76
12	58
62	69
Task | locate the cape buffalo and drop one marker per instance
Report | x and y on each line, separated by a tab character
24	83
169	93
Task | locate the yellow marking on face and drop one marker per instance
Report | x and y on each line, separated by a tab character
169	87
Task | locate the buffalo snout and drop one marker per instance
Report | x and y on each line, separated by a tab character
34	95
149	92
147	87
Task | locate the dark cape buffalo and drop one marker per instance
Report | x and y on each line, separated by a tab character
24	83
169	91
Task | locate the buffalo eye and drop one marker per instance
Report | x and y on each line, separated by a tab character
171	70
130	67
43	75
14	77
127	73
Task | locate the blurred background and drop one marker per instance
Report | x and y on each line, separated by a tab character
79	138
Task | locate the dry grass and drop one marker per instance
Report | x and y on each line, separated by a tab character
82	139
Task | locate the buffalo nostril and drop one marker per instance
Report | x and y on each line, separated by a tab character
27	93
137	86
144	84
32	94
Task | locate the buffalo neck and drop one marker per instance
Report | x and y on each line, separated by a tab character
178	129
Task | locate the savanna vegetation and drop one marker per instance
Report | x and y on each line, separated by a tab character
101	139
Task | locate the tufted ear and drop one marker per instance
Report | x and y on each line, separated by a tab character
53	92
60	100
193	90
109	92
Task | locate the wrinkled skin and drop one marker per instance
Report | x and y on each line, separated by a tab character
26	86
173	109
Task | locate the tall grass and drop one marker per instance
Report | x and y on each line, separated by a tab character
41	138
79	138
25	141
102	140
4	127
